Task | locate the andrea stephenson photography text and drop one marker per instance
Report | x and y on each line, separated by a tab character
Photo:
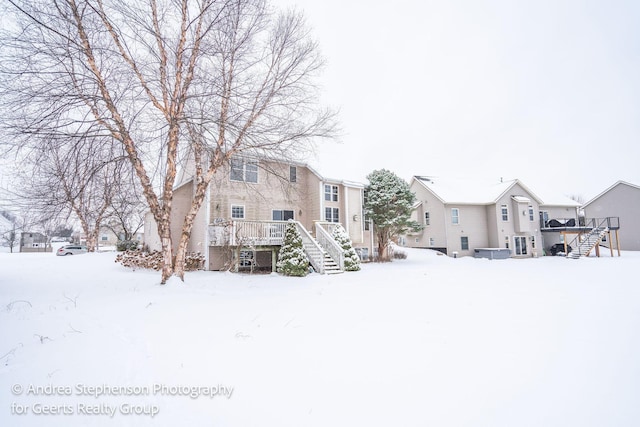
84	399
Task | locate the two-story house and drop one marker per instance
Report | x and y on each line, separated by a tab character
460	216
248	205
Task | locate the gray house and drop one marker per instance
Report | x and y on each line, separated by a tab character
621	200
464	217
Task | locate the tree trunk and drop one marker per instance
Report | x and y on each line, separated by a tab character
383	247
187	225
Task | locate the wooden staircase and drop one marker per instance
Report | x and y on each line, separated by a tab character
585	246
320	259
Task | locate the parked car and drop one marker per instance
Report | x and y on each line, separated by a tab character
71	250
558	249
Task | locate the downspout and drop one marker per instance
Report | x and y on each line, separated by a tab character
207	222
346	209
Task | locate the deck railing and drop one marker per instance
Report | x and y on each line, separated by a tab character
323	236
247	233
611	222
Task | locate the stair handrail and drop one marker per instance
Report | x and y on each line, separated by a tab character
332	247
308	240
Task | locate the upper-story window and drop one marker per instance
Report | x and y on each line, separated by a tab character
531	215
331	193
504	210
244	170
293	174
427	220
455	216
237	211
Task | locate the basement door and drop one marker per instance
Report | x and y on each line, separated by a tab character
520	245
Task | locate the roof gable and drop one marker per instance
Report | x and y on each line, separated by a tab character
618	183
470	192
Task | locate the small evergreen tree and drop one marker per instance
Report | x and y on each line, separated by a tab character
351	258
388	203
292	261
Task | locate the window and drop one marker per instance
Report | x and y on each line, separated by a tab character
432	241
293	174
104	238
506	242
246	259
244	170
331	215
531	217
545	218
363	253
533	242
426	218
281	215
455	216
464	243
331	193
505	212
520	244
237	212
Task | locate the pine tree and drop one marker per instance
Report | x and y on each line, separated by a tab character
292	261
351	258
388	203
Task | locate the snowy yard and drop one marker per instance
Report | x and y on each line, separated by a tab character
427	341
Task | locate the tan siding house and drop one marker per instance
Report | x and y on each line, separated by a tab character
249	203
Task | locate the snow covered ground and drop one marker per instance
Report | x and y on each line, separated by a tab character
426	341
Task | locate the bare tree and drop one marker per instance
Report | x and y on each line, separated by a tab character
125	216
9	233
75	178
168	79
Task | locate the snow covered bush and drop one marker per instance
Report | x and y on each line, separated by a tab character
126	245
292	261
351	258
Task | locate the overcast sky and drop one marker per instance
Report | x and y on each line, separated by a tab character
544	91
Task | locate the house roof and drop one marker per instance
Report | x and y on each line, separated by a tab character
609	189
476	192
470	192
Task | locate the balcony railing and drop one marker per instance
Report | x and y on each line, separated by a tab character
247	233
611	222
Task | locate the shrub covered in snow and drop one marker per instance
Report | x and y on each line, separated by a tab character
292	261
351	258
126	245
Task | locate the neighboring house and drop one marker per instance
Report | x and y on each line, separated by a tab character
34	242
248	205
107	237
460	216
621	200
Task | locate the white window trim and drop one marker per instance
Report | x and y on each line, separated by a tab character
457	216
331	193
244	212
503	209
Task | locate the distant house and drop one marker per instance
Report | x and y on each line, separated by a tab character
34	242
463	216
248	205
621	200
